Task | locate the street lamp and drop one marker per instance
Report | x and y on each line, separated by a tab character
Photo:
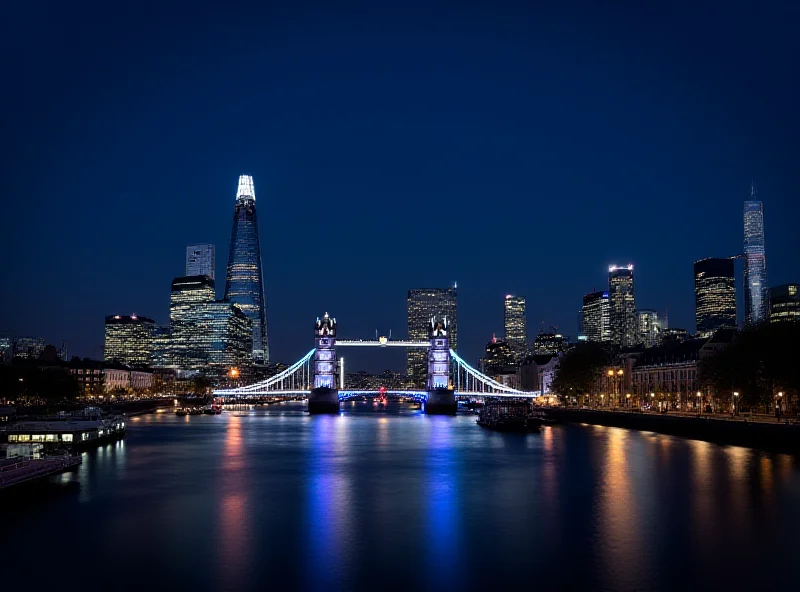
735	405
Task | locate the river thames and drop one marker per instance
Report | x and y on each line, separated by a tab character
379	498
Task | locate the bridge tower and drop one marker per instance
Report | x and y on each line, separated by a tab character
441	395
324	396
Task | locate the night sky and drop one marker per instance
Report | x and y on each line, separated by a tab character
506	147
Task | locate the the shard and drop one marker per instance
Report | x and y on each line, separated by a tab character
244	280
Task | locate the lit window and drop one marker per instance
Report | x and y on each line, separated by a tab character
66	437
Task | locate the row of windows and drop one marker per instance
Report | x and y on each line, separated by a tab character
43	437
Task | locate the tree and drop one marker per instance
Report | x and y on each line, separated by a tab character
580	369
757	365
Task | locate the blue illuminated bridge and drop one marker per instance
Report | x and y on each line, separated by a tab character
320	375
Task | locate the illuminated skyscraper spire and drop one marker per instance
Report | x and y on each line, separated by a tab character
244	283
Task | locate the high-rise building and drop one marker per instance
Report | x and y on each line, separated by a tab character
129	340
596	313
187	294
623	306
784	303
244	281
549	343
714	295
205	333
162	342
514	322
28	347
756	291
6	348
200	260
421	306
650	327
498	358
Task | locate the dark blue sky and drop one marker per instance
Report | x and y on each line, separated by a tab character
510	148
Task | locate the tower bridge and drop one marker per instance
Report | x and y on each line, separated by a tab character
315	374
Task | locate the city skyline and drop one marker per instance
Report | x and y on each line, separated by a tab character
608	159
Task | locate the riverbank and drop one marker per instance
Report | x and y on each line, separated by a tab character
778	437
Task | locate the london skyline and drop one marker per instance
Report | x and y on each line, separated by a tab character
569	181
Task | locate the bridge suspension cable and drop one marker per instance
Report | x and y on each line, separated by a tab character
297	378
468	381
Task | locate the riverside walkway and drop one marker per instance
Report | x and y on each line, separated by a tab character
753	432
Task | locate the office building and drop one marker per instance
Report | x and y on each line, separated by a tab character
596	317
651	326
514	322
187	294
623	318
498	358
162	341
29	348
200	260
714	295
756	291
128	340
204	334
784	303
244	281
549	343
421	306
6	349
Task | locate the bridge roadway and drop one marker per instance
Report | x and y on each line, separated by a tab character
347	393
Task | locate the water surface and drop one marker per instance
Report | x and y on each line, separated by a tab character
392	499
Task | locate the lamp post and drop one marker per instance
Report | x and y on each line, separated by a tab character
699	402
779	405
620	373
628	401
735	403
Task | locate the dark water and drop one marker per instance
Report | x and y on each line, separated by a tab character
274	499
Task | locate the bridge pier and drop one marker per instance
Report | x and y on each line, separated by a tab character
441	396
323	400
324	397
441	401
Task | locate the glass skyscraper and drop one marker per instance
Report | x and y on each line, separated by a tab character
756	291
205	332
596	313
714	295
514	322
651	327
200	260
244	283
129	340
624	329
421	306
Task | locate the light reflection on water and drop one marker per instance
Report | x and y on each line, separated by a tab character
272	498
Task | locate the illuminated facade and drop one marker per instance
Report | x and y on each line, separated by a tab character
438	355
244	283
28	347
622	316
325	363
714	295
421	306
650	326
756	291
129	340
514	322
205	332
784	303
498	357
549	344
596	317
162	341
200	260
187	294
